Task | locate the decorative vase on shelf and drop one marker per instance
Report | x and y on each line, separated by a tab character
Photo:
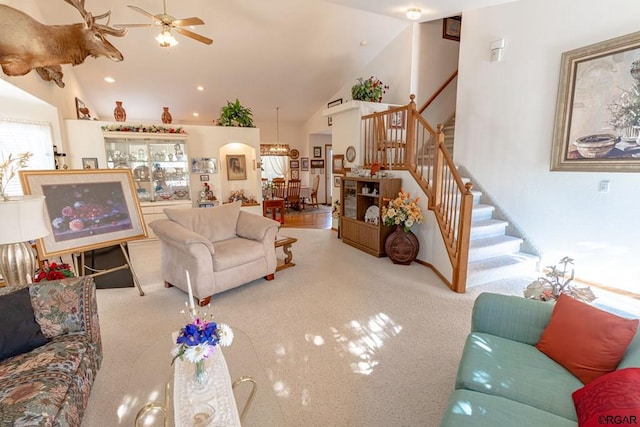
166	116
402	247
119	112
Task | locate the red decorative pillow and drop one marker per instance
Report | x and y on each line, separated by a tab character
612	399
587	341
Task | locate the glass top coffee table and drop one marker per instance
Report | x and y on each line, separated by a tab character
256	402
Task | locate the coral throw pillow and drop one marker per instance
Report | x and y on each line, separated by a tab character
611	399
586	341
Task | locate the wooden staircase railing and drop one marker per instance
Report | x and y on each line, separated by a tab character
400	138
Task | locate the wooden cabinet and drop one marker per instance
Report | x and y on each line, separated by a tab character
361	204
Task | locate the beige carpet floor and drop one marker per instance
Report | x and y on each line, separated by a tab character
341	339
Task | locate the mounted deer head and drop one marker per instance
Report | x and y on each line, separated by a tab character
26	44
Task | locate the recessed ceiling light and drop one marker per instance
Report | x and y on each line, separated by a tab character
414	14
200	88
196	115
109	79
364	43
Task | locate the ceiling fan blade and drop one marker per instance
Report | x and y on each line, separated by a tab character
145	13
187	21
194	36
133	25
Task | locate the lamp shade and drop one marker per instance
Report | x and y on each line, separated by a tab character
22	219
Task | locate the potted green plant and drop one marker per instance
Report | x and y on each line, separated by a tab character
234	114
370	90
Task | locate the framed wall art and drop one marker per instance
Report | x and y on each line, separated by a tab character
338	163
295	174
236	167
451	28
317	164
89	163
204	165
82	112
397	119
294	164
597	123
85	209
304	164
333	104
317	152
337	181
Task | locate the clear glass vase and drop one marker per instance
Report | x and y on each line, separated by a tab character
200	376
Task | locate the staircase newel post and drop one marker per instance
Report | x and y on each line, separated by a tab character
464	235
412	118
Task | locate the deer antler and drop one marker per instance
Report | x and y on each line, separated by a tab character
91	20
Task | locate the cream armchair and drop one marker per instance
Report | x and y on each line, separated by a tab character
222	247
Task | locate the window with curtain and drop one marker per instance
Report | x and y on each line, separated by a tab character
275	166
18	137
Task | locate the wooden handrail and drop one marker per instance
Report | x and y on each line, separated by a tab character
400	138
438	92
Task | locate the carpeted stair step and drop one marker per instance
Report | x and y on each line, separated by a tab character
490	247
481	211
501	267
488	228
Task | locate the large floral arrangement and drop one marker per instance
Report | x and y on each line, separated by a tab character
370	90
197	339
557	281
53	271
402	211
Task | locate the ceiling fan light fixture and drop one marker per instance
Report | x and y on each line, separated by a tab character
165	38
414	13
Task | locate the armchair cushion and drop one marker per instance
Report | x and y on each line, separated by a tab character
215	224
20	333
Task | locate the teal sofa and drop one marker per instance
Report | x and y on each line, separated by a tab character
503	379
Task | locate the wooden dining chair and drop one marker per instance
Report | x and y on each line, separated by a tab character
279	186
293	194
314	191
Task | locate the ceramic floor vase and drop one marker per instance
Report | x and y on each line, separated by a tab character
402	248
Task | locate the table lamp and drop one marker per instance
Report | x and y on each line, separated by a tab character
21	220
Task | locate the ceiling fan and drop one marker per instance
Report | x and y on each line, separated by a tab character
168	23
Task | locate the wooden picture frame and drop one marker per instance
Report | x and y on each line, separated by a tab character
82	112
304	164
596	127
294	164
236	167
85	209
338	163
451	28
89	163
204	178
337	181
333	104
317	163
317	152
295	174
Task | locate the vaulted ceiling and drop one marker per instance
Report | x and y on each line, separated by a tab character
291	54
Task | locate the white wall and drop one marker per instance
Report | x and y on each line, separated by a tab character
504	126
